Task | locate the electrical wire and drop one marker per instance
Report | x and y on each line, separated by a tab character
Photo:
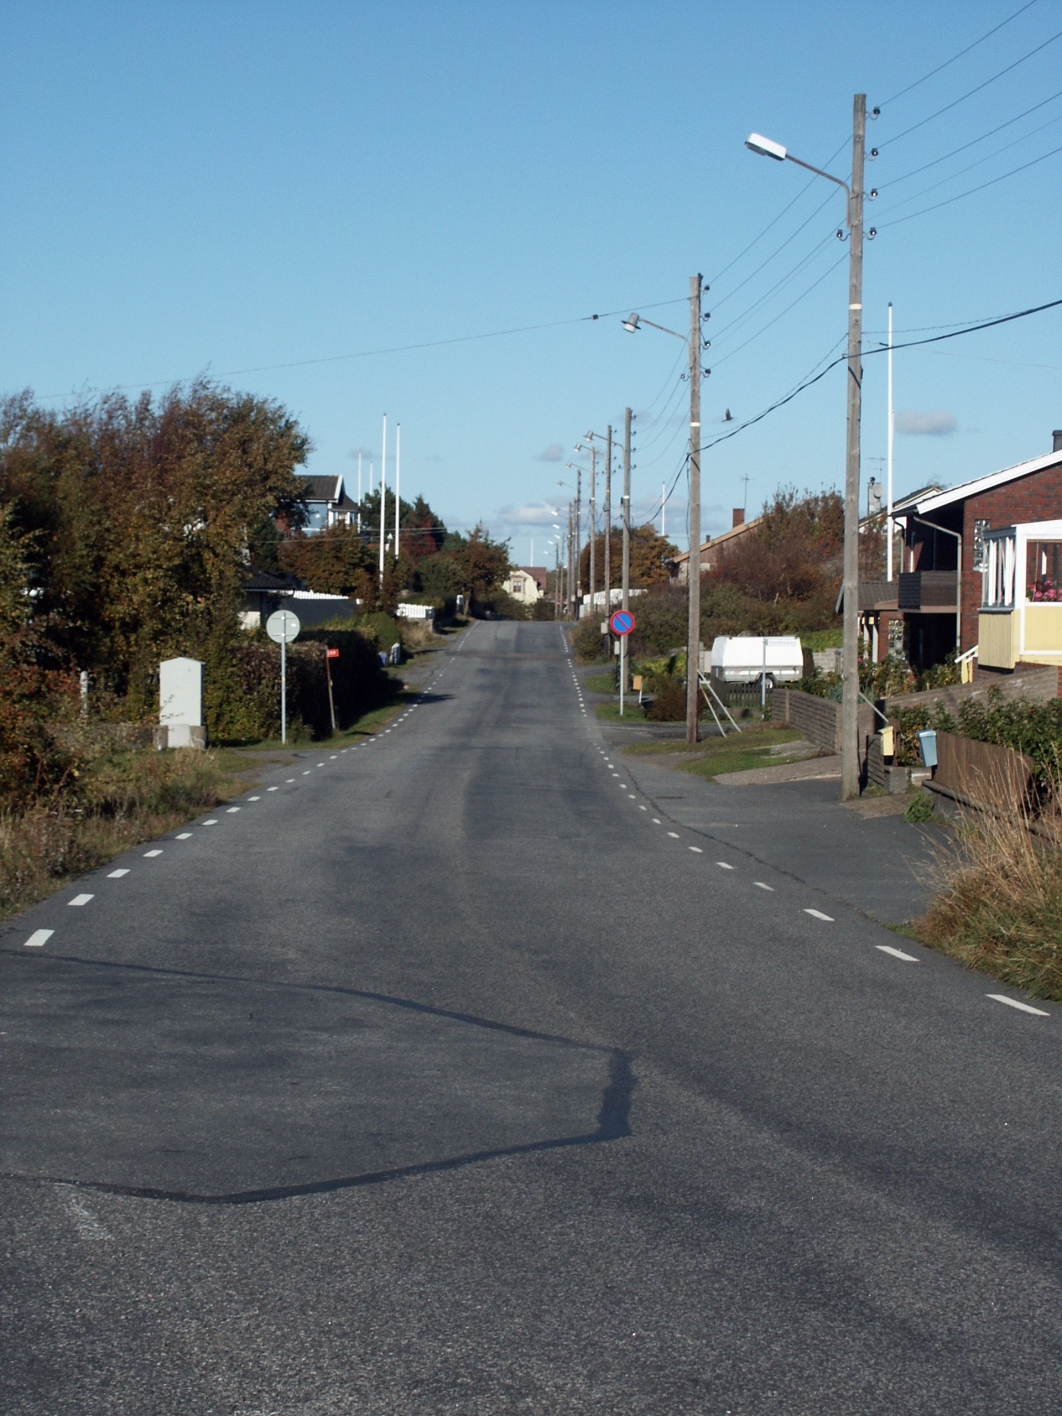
947	62
717	304
866	353
970	191
970	93
392	349
933	186
972	143
791	274
763	330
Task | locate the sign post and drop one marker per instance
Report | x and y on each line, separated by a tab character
331	654
283	627
621	622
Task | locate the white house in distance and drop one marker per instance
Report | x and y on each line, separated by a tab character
527	583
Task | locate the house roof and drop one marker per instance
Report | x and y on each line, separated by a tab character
266	580
733	534
536	572
322	489
934	501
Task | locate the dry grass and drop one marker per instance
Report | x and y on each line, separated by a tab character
998	905
127	798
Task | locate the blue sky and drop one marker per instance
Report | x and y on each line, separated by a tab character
229	188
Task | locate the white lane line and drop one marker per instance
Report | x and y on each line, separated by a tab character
320	764
117	874
615	774
255	798
148	855
289	779
723	865
1013	1003
674	835
657	821
632	796
185	836
38	937
212	822
896	953
643	808
696	850
333	757
307	772
232	810
80	899
761	886
818	914
272	789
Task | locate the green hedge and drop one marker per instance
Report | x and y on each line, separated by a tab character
241	687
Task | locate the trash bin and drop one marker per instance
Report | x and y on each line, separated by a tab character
927	741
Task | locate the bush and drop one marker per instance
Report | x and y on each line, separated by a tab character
669	700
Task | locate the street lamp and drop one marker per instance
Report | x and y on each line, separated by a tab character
693	579
765	147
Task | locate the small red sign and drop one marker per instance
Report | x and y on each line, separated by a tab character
333	653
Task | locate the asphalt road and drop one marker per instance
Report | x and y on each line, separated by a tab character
455	1073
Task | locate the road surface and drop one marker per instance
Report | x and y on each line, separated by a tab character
451	1073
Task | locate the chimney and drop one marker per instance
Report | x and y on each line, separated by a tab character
739	511
1056	440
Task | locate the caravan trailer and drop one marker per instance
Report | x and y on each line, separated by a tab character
746	658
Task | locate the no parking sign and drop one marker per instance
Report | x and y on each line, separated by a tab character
621	622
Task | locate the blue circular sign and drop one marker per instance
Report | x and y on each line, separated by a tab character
621	622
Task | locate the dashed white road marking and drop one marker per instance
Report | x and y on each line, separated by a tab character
632	796
211	822
723	865
333	757
289	779
81	899
1014	1003
186	835
674	835
148	855
259	798
272	789
307	772
657	821
39	937
761	886
818	914
232	810
896	953
696	850
643	808
117	874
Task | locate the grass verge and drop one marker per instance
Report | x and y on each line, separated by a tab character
124	798
730	754
998	905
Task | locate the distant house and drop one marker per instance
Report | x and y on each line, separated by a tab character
943	593
679	567
327	504
264	592
527	583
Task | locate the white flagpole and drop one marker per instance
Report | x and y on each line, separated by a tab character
383	494
398	481
359	493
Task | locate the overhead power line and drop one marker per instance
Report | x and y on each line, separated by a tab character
970	92
972	143
881	349
955	57
971	190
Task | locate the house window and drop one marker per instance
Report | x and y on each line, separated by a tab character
980	553
1042	580
997	592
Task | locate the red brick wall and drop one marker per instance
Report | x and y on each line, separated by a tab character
1036	497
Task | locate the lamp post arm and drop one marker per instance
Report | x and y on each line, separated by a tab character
817	171
662	328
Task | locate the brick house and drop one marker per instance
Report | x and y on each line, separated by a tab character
945	550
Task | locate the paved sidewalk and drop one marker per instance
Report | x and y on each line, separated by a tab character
871	862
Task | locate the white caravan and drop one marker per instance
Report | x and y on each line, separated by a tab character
745	658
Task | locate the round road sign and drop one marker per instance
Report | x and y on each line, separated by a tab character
621	622
283	625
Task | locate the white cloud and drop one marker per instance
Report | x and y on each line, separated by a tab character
935	424
553	453
528	514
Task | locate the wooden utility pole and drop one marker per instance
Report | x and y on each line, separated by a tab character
593	523
693	577
850	653
608	525
626	508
